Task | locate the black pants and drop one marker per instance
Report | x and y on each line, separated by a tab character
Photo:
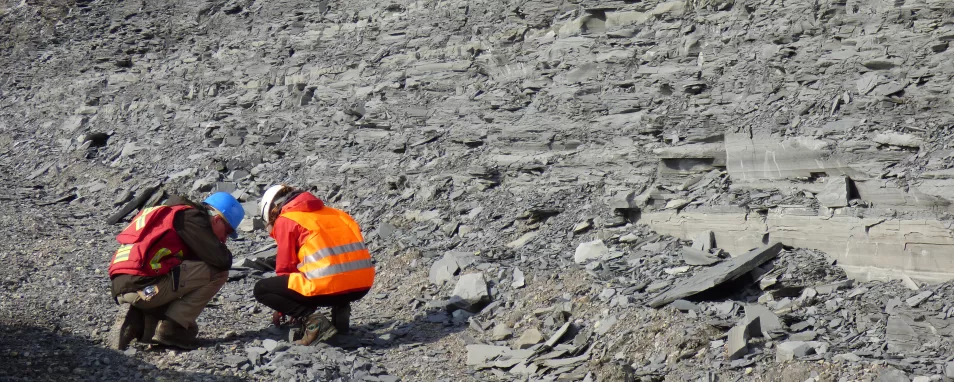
274	293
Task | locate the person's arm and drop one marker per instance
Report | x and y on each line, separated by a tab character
286	234
195	230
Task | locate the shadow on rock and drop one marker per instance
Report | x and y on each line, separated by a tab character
29	353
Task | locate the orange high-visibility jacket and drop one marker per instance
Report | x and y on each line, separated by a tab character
333	258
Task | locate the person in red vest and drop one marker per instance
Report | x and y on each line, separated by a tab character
171	261
321	262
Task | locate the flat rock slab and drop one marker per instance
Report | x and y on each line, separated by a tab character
718	274
693	256
480	354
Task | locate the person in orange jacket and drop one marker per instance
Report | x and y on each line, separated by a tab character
321	262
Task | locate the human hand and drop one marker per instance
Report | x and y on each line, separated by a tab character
278	318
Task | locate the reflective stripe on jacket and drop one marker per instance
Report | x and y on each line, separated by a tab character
333	258
149	245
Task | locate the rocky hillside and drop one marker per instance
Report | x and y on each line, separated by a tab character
512	164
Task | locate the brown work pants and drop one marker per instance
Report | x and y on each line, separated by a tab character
198	283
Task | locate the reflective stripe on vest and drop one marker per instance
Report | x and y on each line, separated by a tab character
323	253
331	261
339	268
122	254
162	252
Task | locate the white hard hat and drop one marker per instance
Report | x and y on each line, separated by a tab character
266	203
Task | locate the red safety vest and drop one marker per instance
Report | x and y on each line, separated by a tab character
150	245
333	258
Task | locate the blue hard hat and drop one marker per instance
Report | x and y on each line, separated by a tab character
230	208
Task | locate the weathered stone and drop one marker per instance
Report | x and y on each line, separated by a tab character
592	250
470	293
529	338
790	350
847	357
501	332
604	325
831	288
270	345
518	279
835	193
481	354
443	270
888	241
558	335
693	256
725	271
685	306
769	323
892	375
703	241
523	240
737	345
919	298
898	139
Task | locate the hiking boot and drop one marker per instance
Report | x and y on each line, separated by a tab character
150	325
317	329
341	317
171	333
128	326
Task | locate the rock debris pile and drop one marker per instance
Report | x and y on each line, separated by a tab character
551	189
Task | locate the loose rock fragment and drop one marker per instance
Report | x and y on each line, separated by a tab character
703	241
790	350
737	344
529	338
470	293
518	279
693	256
835	193
501	332
593	250
480	354
443	270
